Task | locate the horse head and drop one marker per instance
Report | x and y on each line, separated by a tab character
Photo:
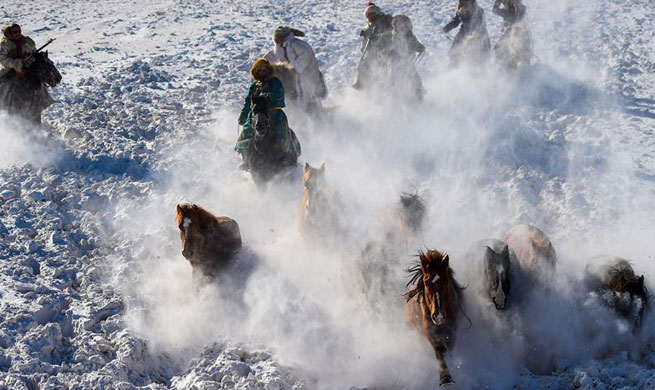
190	230
313	178
411	213
437	285
631	295
260	113
497	276
45	70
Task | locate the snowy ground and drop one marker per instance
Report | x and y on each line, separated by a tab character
93	288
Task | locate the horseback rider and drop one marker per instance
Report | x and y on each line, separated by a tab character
299	54
471	17
514	46
404	47
376	41
14	48
269	87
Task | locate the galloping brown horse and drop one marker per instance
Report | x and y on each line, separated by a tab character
433	303
208	242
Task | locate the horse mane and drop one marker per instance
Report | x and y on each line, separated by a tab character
416	275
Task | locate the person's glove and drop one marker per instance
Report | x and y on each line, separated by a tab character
18	65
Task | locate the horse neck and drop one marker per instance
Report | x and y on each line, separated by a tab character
452	306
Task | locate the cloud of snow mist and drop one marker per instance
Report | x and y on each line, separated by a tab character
23	143
487	151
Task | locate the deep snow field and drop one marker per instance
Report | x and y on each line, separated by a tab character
94	291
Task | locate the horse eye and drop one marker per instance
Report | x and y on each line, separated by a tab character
181	226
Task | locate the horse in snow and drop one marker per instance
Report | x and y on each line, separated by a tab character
319	214
433	304
614	282
492	267
209	242
532	251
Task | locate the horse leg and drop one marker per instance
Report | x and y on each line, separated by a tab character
444	374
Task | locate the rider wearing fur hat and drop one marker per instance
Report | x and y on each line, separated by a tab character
265	84
512	11
300	55
514	47
376	41
14	48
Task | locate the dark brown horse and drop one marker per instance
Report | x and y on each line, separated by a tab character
614	280
208	242
433	303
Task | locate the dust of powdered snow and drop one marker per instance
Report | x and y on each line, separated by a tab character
95	293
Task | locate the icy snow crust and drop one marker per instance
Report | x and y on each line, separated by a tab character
96	295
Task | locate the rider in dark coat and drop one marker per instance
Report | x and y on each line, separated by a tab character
471	16
514	47
404	49
376	40
267	85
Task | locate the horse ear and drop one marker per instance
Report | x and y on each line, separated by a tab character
505	252
195	207
179	209
446	260
307	166
641	280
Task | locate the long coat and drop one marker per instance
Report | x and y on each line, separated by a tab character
275	91
9	54
301	56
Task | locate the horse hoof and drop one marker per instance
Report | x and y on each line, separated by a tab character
446	381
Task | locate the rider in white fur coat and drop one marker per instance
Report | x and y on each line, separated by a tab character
288	48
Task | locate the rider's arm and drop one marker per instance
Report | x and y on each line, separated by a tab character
365	37
453	23
415	44
246	106
8	61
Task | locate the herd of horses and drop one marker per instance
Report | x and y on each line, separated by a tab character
434	299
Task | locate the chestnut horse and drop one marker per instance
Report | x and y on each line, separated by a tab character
532	251
432	304
208	242
614	280
319	215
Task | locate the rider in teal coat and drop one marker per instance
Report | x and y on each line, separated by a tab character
266	84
